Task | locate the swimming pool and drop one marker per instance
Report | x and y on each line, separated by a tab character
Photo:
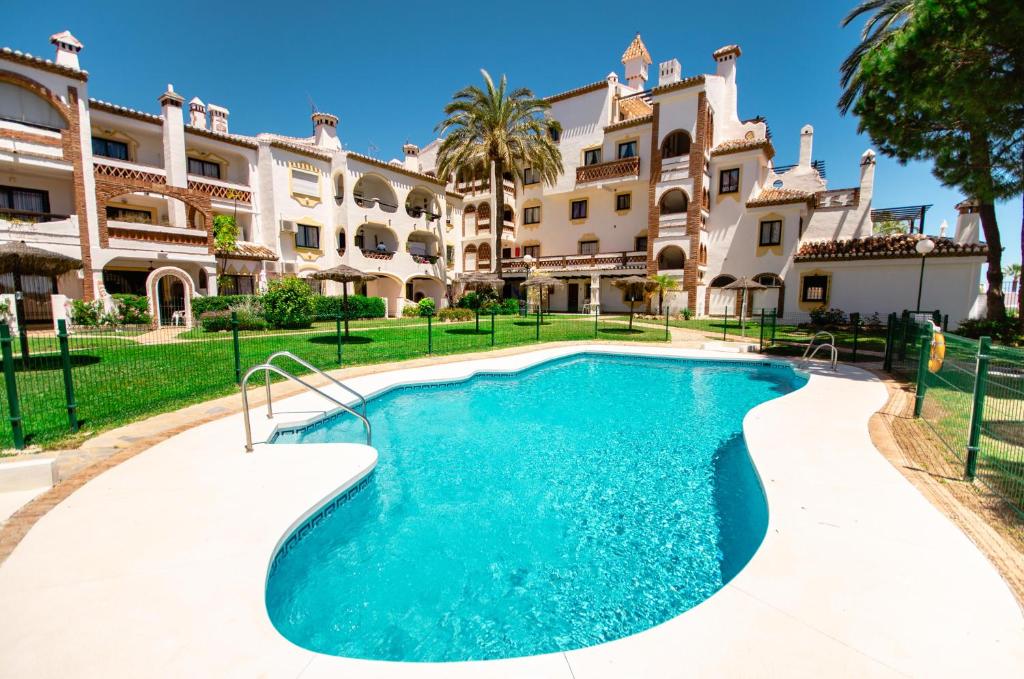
574	503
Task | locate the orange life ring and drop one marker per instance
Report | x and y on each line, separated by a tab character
938	353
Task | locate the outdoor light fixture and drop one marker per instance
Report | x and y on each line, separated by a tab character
924	248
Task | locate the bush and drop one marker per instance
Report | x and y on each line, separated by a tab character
215	321
200	305
687	314
823	316
455	314
359	306
288	303
477	299
249	313
1004	332
426	307
86	313
410	310
130	310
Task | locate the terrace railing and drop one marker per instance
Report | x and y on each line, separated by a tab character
615	169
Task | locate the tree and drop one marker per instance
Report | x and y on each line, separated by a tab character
665	284
492	131
225	242
942	80
1013	272
889	227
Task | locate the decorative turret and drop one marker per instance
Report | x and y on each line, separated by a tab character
68	48
636	59
412	156
197	113
325	130
219	119
806	146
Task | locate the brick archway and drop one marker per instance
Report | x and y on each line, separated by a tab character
108	188
151	292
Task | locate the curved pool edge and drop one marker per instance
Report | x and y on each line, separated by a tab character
813	598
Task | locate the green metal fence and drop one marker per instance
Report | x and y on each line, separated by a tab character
973	402
75	383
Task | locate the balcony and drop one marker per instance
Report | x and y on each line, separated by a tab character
625	168
220	190
30	217
483	186
378	254
605	261
121	169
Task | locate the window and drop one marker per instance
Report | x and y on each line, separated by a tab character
109	148
531	176
640	244
589	247
623	201
204	168
815	289
307	236
506	253
531	215
532	250
627	149
236	285
127	214
305	183
676	144
578	209
729	181
341	240
592	156
20	105
555	134
771	232
24	200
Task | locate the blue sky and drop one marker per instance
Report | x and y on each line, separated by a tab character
387	69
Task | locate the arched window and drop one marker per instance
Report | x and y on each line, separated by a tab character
509	217
722	281
469	220
483	217
672	257
674	202
20	105
469	258
483	256
768	279
676	144
339	188
341	241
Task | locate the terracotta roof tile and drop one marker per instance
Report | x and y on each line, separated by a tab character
634	107
893	246
637	48
45	64
246	250
772	196
728	49
740	145
585	89
632	122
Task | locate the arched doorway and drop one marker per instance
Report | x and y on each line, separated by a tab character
170	291
719	300
671	257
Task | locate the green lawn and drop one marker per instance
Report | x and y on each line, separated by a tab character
117	380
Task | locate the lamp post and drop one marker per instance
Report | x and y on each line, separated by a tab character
923	247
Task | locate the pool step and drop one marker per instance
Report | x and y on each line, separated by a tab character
20	475
731	347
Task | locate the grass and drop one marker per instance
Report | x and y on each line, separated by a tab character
867	340
118	380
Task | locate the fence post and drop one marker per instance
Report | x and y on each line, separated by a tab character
725	323
760	334
13	407
977	408
337	335
234	342
775	318
904	326
538	322
924	353
494	312
478	319
668	334
855	320
69	384
890	337
430	334
595	323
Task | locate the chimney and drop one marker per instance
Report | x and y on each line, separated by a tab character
218	119
636	59
867	176
806	146
669	72
325	130
68	48
412	157
174	150
968	223
197	113
725	58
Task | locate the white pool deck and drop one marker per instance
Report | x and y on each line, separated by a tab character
157	567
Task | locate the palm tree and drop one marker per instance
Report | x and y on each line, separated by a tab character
1012	271
491	130
888	17
665	284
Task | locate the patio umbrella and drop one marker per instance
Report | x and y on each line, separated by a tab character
743	284
634	286
479	280
19	259
343	274
542	283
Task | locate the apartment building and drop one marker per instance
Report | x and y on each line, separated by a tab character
658	178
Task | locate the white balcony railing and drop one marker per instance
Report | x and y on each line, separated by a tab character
634	259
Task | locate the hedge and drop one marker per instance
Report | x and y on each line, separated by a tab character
200	305
358	307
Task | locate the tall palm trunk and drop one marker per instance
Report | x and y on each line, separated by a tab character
1020	293
498	186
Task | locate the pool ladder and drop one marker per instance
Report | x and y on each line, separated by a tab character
268	367
831	344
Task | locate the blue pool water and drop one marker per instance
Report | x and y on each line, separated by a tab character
578	502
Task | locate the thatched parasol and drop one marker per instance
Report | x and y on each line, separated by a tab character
634	287
480	279
542	283
743	284
344	274
20	259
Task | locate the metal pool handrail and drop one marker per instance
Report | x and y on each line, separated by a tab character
309	366
269	368
831	338
835	354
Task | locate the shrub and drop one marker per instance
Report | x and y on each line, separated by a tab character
86	313
215	321
476	299
687	314
359	306
249	313
288	303
410	310
455	314
130	310
823	316
426	307
200	305
1004	332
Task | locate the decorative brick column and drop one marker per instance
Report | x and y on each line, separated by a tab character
694	222
653	210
